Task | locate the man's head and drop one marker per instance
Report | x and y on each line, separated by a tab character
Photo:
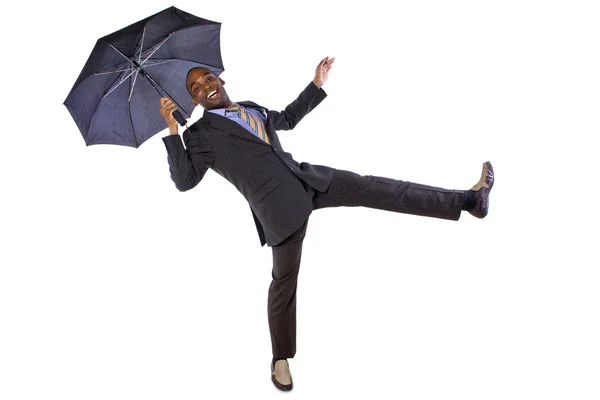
206	89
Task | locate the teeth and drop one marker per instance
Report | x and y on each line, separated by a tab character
211	94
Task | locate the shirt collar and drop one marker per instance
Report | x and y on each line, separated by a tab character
223	111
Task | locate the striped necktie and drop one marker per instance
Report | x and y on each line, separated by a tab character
254	122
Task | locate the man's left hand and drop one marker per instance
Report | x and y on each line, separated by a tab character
323	71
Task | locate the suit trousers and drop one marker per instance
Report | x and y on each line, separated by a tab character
350	190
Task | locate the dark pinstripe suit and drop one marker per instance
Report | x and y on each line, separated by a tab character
282	193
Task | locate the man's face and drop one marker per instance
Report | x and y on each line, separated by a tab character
206	89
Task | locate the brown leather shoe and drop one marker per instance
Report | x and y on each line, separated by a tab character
483	187
280	375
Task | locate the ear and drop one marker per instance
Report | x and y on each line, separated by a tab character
194	102
222	81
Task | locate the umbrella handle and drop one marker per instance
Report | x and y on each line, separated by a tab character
179	117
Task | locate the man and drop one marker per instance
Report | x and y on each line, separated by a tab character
239	142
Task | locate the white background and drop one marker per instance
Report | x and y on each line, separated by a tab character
115	285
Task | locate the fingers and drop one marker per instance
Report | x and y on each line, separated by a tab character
167	106
326	63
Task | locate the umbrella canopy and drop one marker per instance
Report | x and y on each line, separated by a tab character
116	99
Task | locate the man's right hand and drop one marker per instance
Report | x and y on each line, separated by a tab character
167	106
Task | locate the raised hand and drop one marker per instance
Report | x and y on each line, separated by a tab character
322	72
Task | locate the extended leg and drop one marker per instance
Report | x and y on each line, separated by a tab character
350	189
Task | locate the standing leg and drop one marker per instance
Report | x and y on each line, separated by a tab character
352	190
282	294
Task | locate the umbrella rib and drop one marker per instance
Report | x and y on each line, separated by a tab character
112	72
136	73
158	63
125	77
124	56
192	61
132	85
131	120
155	50
119	84
142	44
122	80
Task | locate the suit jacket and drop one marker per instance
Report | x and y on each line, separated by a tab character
268	177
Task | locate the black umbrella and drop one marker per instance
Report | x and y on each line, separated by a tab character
116	98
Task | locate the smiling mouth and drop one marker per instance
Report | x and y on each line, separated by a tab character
212	95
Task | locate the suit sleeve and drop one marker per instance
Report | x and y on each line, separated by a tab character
188	165
287	119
